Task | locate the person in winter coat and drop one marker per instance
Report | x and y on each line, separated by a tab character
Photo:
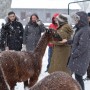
12	33
88	70
54	26
61	51
32	33
80	53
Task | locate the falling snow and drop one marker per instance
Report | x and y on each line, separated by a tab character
20	86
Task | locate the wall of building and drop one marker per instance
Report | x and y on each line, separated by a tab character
44	14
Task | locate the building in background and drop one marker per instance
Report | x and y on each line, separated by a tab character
44	14
44	8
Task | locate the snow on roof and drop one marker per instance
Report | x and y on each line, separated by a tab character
46	4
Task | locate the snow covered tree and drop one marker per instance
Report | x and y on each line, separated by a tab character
4	7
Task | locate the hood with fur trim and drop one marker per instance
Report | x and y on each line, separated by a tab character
61	18
54	16
7	19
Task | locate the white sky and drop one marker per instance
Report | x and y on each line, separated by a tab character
58	4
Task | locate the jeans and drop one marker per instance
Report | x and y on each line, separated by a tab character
80	80
50	50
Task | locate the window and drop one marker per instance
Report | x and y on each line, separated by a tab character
48	17
23	15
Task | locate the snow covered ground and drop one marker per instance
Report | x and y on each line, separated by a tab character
43	74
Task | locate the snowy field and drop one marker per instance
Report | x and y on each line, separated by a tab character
43	74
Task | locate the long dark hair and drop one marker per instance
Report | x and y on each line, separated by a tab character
34	14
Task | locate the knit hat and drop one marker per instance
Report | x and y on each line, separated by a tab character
61	18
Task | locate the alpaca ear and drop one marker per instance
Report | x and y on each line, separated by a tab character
48	31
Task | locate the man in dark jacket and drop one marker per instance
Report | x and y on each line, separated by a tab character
80	54
12	33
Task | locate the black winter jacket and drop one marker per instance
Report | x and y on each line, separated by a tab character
12	35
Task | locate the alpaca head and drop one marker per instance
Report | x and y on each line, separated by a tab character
53	34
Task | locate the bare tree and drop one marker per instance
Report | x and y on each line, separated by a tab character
4	7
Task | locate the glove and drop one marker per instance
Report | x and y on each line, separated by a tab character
39	22
57	37
23	47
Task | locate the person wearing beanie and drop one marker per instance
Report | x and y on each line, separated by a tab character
61	51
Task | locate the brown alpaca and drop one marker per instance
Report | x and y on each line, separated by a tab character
3	84
57	81
20	66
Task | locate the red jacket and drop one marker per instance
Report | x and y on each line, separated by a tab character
53	26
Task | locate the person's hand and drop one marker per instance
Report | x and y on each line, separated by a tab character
39	22
63	41
23	47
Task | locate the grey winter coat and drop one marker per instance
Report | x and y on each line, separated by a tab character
80	54
32	35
